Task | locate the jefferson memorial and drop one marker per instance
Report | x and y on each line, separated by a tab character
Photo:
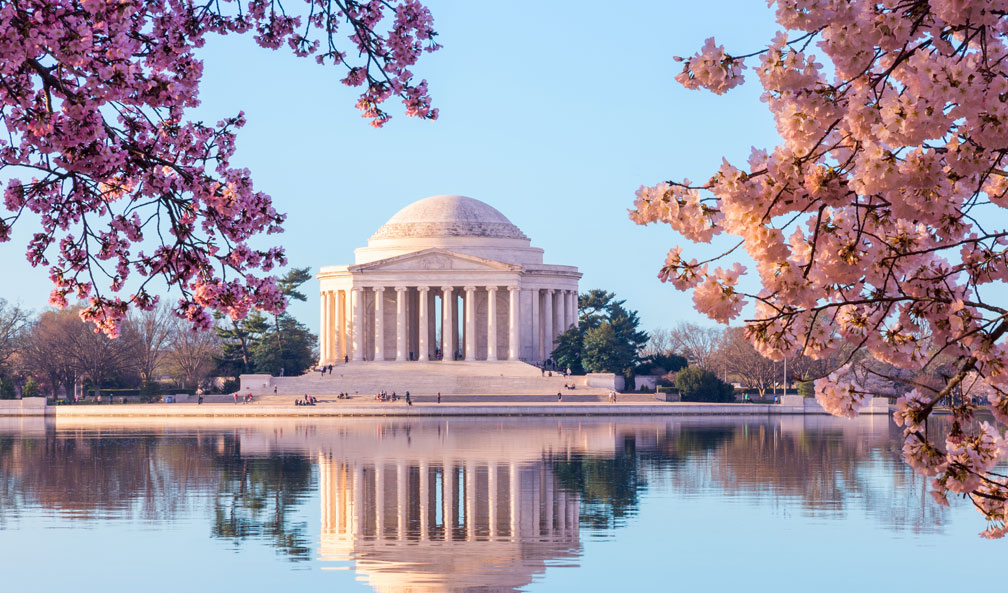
446	278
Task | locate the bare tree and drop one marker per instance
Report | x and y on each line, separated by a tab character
44	352
153	330
62	348
739	360
659	342
191	353
96	356
696	342
13	320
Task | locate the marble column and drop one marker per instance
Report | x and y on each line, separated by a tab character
447	324
470	323
491	323
536	501
379	486
536	340
470	499
379	324
358	501
400	323
561	309
358	323
424	500
514	488
448	500
548	499
423	325
514	320
548	323
331	328
402	500
341	323
573	319
492	498
323	335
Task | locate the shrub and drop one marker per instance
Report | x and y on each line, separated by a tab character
30	389
698	385
7	389
806	388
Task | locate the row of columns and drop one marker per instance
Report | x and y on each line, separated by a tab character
557	312
531	504
340	338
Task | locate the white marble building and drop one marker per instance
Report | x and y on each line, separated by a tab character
446	274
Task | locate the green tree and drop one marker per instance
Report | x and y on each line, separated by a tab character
7	388
289	284
297	356
239	340
700	385
569	346
254	345
660	364
30	388
606	340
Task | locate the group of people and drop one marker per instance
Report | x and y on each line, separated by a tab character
245	399
325	369
308	400
384	396
570	387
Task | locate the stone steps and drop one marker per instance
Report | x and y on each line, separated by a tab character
509	377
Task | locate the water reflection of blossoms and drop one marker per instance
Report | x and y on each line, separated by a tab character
823	463
254	482
156	478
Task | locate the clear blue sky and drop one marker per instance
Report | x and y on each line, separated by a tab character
552	112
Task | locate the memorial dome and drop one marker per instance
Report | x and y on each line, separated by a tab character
448	216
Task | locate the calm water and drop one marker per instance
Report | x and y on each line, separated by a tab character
524	504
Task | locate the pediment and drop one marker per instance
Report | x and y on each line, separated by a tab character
435	259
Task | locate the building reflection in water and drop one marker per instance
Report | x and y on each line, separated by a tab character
445	525
445	506
451	506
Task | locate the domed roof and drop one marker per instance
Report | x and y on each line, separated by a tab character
448	216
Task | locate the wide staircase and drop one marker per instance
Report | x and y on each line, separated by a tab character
446	377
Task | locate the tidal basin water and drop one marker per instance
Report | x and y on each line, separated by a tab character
483	504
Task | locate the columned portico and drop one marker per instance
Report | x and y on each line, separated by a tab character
458	254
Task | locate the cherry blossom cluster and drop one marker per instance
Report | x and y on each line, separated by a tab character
878	221
126	192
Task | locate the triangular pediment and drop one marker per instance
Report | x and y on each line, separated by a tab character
435	259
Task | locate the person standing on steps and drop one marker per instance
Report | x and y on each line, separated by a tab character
438	397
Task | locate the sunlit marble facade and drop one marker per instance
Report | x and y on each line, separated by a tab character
446	277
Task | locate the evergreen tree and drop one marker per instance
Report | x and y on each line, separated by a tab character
606	340
251	345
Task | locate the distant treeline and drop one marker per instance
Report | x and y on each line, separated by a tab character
52	352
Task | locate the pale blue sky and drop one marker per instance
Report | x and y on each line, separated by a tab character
553	113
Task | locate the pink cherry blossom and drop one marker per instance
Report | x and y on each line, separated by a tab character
126	188
877	223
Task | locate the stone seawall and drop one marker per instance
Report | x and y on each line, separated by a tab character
400	409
